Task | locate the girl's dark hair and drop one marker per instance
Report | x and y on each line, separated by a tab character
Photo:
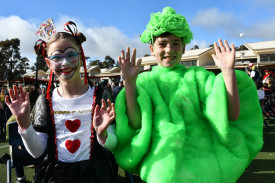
78	39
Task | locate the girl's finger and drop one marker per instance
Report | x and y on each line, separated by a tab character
96	111
11	95
109	106
16	93
122	57
103	106
22	94
7	100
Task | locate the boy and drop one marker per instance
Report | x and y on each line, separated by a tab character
177	124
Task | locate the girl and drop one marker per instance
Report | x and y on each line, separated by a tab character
67	125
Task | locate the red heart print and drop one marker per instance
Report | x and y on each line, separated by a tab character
73	125
72	146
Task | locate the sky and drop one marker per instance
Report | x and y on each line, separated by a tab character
112	25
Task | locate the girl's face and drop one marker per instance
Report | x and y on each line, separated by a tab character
168	50
63	59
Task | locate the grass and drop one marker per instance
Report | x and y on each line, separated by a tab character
261	169
29	172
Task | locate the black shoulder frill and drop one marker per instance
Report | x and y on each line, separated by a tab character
40	116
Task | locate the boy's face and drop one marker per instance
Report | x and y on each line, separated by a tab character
168	50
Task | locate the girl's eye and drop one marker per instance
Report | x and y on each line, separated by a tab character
56	57
73	54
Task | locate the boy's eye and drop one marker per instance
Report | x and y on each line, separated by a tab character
162	44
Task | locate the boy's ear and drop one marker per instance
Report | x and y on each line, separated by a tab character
152	50
183	49
47	60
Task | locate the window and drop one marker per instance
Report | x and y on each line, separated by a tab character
267	57
189	63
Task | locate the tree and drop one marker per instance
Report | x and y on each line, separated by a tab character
13	66
95	62
195	47
109	62
40	63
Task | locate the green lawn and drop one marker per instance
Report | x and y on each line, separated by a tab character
261	169
30	171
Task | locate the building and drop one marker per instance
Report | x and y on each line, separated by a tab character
262	54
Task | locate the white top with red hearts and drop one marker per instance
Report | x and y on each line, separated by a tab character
73	122
73	125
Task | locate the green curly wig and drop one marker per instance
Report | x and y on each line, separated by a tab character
167	21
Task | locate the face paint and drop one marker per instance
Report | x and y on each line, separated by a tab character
65	62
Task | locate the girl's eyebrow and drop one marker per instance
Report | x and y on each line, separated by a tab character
63	50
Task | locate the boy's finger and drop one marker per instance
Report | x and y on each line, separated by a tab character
139	62
221	45
217	49
133	60
227	46
127	54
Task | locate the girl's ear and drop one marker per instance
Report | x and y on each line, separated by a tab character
152	49
47	60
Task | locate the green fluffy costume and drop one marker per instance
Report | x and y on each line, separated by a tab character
185	134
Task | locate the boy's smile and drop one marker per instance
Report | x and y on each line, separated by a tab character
168	50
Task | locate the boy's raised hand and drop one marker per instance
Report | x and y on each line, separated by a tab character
103	117
19	105
129	67
225	57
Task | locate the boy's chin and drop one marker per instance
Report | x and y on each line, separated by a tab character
169	65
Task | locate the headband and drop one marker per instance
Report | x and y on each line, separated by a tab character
40	46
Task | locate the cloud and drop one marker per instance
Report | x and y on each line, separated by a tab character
213	20
15	27
101	40
200	44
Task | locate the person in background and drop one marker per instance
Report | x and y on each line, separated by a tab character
118	88
33	94
260	90
268	74
253	74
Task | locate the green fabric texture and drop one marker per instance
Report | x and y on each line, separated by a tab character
185	133
167	21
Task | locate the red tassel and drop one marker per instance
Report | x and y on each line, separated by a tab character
84	64
49	85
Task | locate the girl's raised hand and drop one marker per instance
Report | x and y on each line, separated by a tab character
129	67
225	57
19	104
103	117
